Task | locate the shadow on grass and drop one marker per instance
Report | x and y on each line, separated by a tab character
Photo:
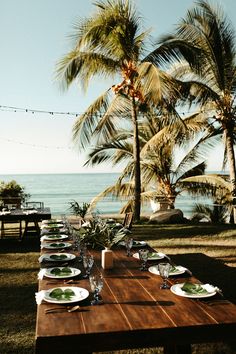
210	270
18	314
13	245
151	231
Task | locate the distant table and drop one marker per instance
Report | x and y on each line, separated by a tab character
136	313
27	216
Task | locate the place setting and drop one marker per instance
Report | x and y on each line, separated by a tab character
56	245
59	273
66	297
70	295
186	289
56	257
194	290
151	256
54	237
135	243
52	221
174	270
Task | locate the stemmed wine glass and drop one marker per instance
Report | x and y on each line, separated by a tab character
128	245
96	284
87	263
143	256
164	269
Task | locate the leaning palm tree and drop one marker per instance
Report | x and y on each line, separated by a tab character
161	176
110	43
205	39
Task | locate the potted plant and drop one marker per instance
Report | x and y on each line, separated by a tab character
12	193
100	233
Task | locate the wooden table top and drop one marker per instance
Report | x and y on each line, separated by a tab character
21	214
135	313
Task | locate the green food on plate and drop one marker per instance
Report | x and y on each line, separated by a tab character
152	254
53	236
173	269
57	244
61	272
60	294
193	289
58	256
53	225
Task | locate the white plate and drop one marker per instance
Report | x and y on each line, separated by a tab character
47	257
53	231
74	273
54	237
52	226
80	294
56	245
176	289
52	221
136	244
179	270
153	256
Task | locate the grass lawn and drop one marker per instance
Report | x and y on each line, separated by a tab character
208	250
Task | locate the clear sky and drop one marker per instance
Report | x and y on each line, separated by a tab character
33	37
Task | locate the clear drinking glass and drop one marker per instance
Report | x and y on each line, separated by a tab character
87	263
143	256
128	245
96	284
164	269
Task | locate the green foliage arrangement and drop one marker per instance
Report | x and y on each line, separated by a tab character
12	192
77	209
97	232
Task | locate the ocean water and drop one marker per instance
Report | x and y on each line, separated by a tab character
58	190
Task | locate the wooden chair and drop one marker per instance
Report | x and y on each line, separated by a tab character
34	205
32	226
11	228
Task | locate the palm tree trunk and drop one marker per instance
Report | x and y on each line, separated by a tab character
232	167
137	173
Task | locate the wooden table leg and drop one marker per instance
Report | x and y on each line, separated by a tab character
177	349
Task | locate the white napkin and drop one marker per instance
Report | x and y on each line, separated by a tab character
42	238
28	212
41	259
39	296
210	288
41	273
5	212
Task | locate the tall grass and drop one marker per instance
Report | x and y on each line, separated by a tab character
208	250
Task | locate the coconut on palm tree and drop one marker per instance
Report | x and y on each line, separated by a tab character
111	43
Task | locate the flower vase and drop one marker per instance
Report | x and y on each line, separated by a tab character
107	258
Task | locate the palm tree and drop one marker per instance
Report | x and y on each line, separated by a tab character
217	187
205	40
110	43
161	176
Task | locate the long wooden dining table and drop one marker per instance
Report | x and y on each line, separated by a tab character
135	313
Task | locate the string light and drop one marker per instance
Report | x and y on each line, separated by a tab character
28	110
37	146
52	113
